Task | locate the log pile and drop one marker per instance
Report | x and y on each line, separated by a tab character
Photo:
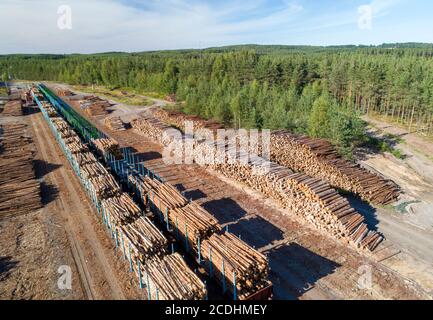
19	189
232	260
318	158
108	145
150	127
143	186
105	187
120	210
166	197
12	108
84	158
310	198
62	92
92	170
75	146
169	278
177	119
94	106
63	127
315	157
166	277
193	223
115	124
144	239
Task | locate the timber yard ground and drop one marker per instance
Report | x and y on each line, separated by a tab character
305	263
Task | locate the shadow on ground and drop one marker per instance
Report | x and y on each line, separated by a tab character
365	209
6	264
42	168
295	270
225	210
49	193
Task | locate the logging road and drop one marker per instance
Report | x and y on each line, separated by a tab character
93	257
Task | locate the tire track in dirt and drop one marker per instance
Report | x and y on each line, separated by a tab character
78	223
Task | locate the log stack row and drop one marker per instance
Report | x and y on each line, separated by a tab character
152	128
165	276
19	189
248	272
318	158
191	222
170	278
311	198
106	146
13	108
94	106
115	123
315	157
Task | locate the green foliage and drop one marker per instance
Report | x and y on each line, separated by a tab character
310	90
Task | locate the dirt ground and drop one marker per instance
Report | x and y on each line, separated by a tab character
66	232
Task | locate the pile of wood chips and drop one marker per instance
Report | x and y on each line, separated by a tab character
232	260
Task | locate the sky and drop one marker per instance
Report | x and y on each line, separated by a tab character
90	26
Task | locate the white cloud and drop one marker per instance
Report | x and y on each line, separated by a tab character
110	25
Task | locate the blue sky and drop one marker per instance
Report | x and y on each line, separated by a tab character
139	25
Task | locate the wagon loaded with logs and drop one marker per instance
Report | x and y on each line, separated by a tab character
106	146
143	239
236	265
193	224
169	278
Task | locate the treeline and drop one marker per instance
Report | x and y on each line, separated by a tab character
312	90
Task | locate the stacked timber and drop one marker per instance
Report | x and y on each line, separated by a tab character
19	189
12	108
115	124
169	278
318	158
94	106
120	209
193	223
92	170
178	119
310	198
150	127
107	145
143	186
63	127
62	92
143	238
105	187
84	158
233	261
51	111
166	197
76	146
